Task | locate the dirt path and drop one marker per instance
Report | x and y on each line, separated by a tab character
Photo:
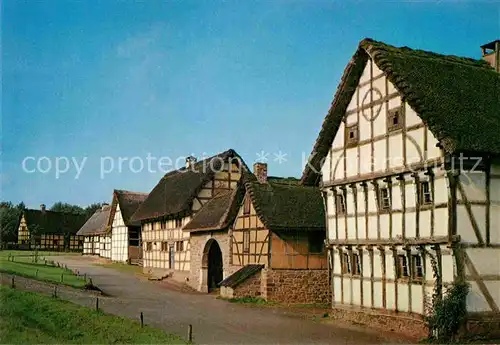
214	321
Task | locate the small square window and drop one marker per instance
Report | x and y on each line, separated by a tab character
178	223
425	193
385	199
402	267
149	246
417	271
179	246
352	135
164	246
394	119
340	204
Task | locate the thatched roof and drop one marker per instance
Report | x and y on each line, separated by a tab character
51	222
175	192
96	224
458	98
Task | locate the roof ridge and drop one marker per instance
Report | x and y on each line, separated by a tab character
425	54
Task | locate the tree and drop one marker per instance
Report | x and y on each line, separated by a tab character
10	216
68	208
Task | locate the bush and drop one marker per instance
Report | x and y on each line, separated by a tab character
449	313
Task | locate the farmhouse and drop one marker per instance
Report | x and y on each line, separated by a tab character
408	159
277	242
171	205
93	230
50	230
125	234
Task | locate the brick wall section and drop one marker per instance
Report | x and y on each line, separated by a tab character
297	286
251	287
197	242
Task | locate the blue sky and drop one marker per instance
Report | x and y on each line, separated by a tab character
122	79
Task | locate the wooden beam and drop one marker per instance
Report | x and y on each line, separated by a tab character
396	241
468	207
480	283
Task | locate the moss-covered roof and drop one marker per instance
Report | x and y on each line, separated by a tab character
282	206
175	192
51	222
458	98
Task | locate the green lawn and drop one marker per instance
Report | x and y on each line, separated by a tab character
30	318
122	267
28	253
24	265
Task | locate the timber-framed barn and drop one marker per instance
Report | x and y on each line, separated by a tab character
50	230
277	242
408	159
171	205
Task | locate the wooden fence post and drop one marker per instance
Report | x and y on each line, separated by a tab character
36	273
142	320
190	334
97	304
13	285
62	277
55	291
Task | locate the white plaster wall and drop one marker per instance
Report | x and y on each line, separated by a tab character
119	238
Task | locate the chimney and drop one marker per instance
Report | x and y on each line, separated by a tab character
260	171
190	160
491	54
42	207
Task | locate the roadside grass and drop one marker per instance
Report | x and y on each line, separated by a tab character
25	266
30	318
25	254
250	300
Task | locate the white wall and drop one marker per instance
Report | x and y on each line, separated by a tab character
119	237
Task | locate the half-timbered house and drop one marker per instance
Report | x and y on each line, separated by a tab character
408	161
92	231
277	242
50	230
123	236
171	205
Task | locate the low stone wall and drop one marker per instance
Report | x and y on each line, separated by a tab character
410	325
484	326
297	286
251	287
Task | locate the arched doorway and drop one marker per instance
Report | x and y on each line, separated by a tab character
213	262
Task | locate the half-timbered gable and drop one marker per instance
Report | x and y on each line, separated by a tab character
171	205
93	229
278	233
125	235
396	160
50	230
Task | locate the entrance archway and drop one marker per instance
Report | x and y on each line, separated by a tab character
212	260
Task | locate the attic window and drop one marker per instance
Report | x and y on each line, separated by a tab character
394	119
246	206
352	135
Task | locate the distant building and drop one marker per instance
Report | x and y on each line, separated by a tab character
110	233
50	230
96	239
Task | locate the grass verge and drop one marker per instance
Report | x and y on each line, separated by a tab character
30	318
125	268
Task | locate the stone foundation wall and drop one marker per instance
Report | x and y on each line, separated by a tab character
251	287
487	327
410	325
197	242
296	286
